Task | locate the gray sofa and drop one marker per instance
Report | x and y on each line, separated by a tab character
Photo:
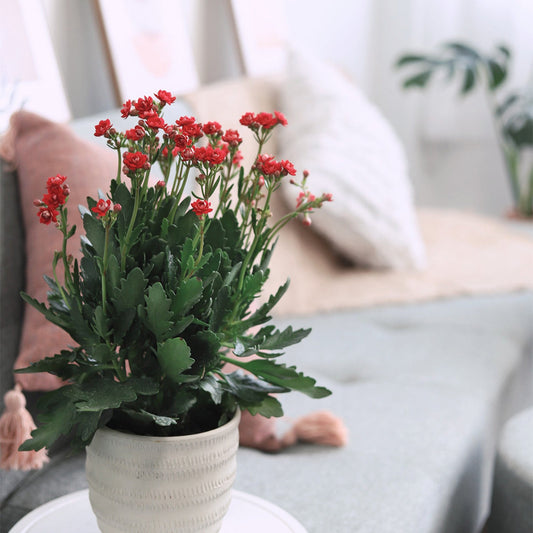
423	388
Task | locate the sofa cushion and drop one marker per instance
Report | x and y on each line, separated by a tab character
351	151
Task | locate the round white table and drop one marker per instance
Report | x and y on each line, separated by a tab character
246	513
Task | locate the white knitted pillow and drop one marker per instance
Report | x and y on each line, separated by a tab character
351	151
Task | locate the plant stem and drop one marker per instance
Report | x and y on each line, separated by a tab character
104	269
126	246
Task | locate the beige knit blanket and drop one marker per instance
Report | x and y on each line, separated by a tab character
467	254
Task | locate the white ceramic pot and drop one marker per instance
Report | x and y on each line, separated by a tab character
141	484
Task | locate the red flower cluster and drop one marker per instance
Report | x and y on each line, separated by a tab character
211	128
56	195
232	137
204	154
264	120
101	208
136	161
190	127
102	127
270	167
165	97
201	207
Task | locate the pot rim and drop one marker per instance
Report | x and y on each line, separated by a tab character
228	426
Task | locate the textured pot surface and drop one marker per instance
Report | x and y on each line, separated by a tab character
162	484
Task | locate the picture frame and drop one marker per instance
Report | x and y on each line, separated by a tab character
29	74
147	46
262	32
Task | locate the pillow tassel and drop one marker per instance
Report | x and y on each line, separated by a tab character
320	427
16	425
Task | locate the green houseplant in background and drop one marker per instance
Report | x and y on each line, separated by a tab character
511	110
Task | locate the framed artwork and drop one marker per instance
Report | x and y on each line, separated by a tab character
29	75
148	47
261	28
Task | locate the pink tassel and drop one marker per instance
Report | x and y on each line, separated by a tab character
16	424
321	427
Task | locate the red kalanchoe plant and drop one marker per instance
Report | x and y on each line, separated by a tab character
165	293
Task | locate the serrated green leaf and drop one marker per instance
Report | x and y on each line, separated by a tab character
283	376
101	325
187	294
262	314
174	356
57	418
95	233
181	325
269	407
158	314
131	291
253	284
100	394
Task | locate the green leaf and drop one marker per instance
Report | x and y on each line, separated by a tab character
181	325
50	316
86	425
57	418
253	284
462	49
143	385
131	291
58	365
101	324
163	421
187	294
205	346
249	388
497	74
221	308
469	80
215	234
213	387
113	272
158	315
231	229
95	233
269	338
418	80
504	50
283	376
100	394
174	356
100	352
261	315
269	407
409	59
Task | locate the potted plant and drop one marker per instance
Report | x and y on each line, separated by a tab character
162	299
511	111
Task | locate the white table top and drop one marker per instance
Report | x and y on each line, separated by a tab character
246	513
